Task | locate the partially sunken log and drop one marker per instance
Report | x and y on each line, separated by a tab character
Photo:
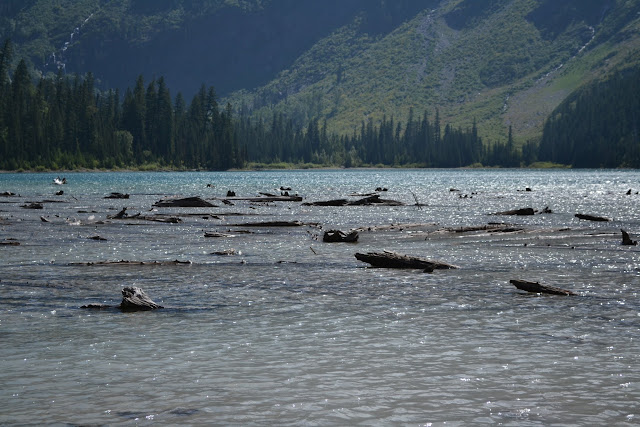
388	259
117	196
591	217
269	224
187	202
366	201
522	212
334	236
33	206
537	288
626	240
135	299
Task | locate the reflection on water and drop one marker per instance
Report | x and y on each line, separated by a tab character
294	331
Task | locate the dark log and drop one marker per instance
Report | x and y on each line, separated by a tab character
43	219
117	196
186	202
97	306
135	299
215	234
265	198
626	240
134	263
59	193
521	212
97	238
366	201
335	202
537	288
591	217
388	259
33	206
7	194
120	215
226	252
333	236
9	242
269	224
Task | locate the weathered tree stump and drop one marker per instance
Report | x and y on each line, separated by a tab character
388	259
626	240
334	236
591	217
135	299
537	288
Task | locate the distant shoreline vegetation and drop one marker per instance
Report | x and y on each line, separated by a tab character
64	123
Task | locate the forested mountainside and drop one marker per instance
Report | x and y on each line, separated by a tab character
500	62
337	82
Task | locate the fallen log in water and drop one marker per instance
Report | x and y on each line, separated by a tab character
626	240
366	201
388	259
34	205
536	287
334	236
9	242
521	212
269	224
117	196
124	262
186	202
591	217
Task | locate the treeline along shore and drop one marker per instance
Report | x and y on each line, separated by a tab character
65	122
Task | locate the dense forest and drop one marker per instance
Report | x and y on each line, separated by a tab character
64	122
597	126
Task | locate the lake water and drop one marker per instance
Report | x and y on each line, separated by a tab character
294	331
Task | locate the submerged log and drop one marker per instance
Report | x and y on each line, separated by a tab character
34	205
366	201
537	288
186	202
591	217
521	212
388	259
117	196
333	236
9	242
626	240
132	263
269	224
135	299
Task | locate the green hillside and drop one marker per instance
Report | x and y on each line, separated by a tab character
501	63
507	63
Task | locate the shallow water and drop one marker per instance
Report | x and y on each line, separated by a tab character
293	331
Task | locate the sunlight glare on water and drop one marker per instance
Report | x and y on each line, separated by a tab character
290	330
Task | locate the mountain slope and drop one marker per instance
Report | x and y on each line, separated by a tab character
508	63
500	62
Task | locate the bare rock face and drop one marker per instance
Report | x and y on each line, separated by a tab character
135	299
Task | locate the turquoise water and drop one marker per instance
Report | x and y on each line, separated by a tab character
293	331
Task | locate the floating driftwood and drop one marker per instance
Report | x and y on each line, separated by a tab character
135	299
265	198
536	287
366	201
269	224
97	238
156	218
124	262
9	242
521	212
591	217
7	194
388	259
117	196
216	234
186	202
226	252
33	206
626	240
333	236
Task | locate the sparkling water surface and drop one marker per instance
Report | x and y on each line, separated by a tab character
294	331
